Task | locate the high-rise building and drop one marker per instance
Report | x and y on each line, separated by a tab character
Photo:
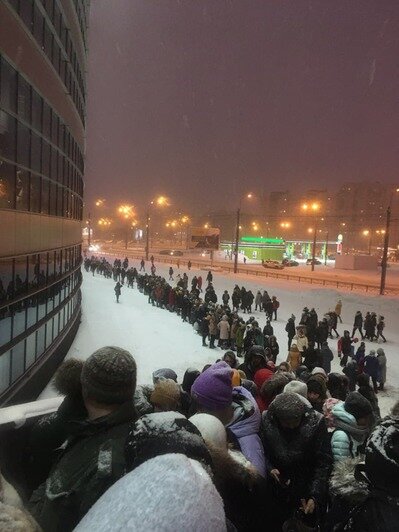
42	129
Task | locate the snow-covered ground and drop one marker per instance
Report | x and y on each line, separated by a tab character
158	338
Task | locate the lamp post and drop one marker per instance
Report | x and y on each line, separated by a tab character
89	230
127	212
237	236
326	249
312	207
160	201
384	262
368	233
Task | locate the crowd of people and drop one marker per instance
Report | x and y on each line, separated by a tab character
245	443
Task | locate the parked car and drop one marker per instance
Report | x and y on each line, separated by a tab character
316	262
171	252
289	262
274	264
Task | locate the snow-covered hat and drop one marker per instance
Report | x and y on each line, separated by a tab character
211	429
319	371
168	493
298	387
288	407
164	373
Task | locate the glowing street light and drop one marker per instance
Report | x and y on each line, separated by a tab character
285	225
312	208
249	195
104	222
127	212
161	201
100	202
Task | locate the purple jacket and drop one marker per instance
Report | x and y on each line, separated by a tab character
245	426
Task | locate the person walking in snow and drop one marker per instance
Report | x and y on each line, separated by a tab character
372	368
209	277
358	324
258	300
380	328
189	264
382	361
199	283
117	291
338	310
171	274
142	265
290	330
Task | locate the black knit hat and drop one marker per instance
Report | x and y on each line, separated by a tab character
357	405
288	406
109	376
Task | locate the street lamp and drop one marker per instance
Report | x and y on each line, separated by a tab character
384	261
160	201
313	208
127	213
368	233
246	196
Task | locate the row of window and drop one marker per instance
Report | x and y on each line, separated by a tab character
19	98
16	361
81	8
49	36
22	275
26	191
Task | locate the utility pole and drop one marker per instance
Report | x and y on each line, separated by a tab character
89	229
147	235
384	262
314	245
237	239
326	250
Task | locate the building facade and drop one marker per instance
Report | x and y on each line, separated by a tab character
42	130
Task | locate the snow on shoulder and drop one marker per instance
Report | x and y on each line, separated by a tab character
170	492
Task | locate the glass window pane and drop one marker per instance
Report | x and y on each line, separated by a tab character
8	86
41	305
48	40
40	341
38	25
45	196
19	319
45	158
49	333
53	199
24	99
37	106
46	120
35	193
18	360
22	188
8	139
31	317
26	13
5	371
7	185
30	349
23	145
35	152
21	276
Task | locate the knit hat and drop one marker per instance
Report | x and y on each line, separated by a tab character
319	371
211	429
262	375
235	378
298	387
256	350
213	389
382	456
163	373
357	405
380	351
242	374
316	385
288	407
109	376
166	395
372	352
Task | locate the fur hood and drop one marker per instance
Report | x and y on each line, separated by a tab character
344	484
67	377
232	466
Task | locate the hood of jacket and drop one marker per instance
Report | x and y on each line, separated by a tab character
342	420
246	418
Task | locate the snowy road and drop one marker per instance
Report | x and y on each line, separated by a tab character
158	338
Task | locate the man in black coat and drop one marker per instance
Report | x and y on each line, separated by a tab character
298	459
290	330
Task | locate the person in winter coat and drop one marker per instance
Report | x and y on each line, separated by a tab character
294	357
301	340
213	330
345	347
242	489
209	277
260	377
326	357
276	306
272	387
199	283
298	458
248	301
255	359
274	348
382	361
360	355
225	298
338	386
352	421
364	388
371	492
92	458
372	368
358	324
235	408
351	371
268	329
290	330
258	300
338	310
317	392
224	331
240	338
230	359
380	328
204	328
117	290
321	333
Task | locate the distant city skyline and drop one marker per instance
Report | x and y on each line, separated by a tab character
202	101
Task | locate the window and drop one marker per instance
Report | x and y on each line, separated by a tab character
48	40
45	158
8	87
5	365
23	145
35	152
22	189
46	120
37	106
7	185
35	193
17	360
24	99
26	13
38	26
44	208
53	199
30	349
7	136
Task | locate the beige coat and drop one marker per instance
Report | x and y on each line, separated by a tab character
294	357
224	329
